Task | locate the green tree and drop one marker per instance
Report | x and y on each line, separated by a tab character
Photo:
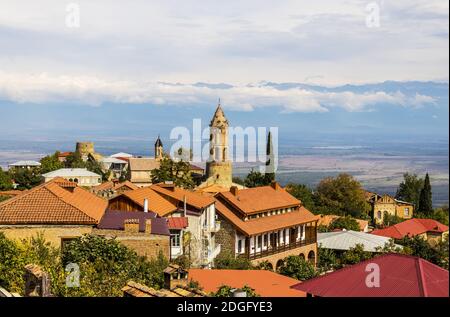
50	163
355	255
256	179
227	260
341	195
425	198
345	222
227	291
96	167
238	180
264	265
74	160
390	220
177	172
418	246
105	265
441	214
298	268
26	178
5	180
327	260
302	193
409	189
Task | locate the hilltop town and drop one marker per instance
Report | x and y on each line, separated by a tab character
84	224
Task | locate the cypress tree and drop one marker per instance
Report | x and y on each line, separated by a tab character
425	199
270	163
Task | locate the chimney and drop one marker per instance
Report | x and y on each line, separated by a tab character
275	185
234	190
148	226
169	185
145	205
131	225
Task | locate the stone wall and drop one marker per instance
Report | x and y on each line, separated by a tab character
148	245
226	236
53	234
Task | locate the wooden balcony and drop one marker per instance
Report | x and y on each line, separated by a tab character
277	249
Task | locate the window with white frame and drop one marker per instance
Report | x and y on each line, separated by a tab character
406	211
175	238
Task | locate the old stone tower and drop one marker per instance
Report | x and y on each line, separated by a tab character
158	149
219	168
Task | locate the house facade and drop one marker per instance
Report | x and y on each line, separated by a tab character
58	209
386	204
80	176
265	224
429	229
191	217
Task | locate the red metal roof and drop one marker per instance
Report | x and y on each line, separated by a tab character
177	222
411	227
400	276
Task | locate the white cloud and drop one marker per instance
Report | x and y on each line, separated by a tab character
228	41
45	88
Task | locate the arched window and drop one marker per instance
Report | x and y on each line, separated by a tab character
311	256
279	264
302	256
75	180
379	214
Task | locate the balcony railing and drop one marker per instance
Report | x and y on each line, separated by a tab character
210	254
211	229
279	248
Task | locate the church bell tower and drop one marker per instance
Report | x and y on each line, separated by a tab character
218	167
158	149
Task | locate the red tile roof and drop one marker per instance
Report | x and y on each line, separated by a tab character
400	276
177	222
195	199
114	186
411	227
265	283
51	203
265	224
259	199
156	203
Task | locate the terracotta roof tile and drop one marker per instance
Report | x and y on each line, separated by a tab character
411	227
265	283
50	203
258	199
266	224
156	203
177	222
195	199
114	186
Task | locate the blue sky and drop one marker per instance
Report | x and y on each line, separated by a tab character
151	59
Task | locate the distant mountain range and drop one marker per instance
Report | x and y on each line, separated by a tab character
404	110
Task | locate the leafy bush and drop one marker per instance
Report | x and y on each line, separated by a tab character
227	260
105	265
227	291
347	223
264	265
298	268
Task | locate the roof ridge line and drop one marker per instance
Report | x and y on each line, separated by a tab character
26	193
69	202
422	282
